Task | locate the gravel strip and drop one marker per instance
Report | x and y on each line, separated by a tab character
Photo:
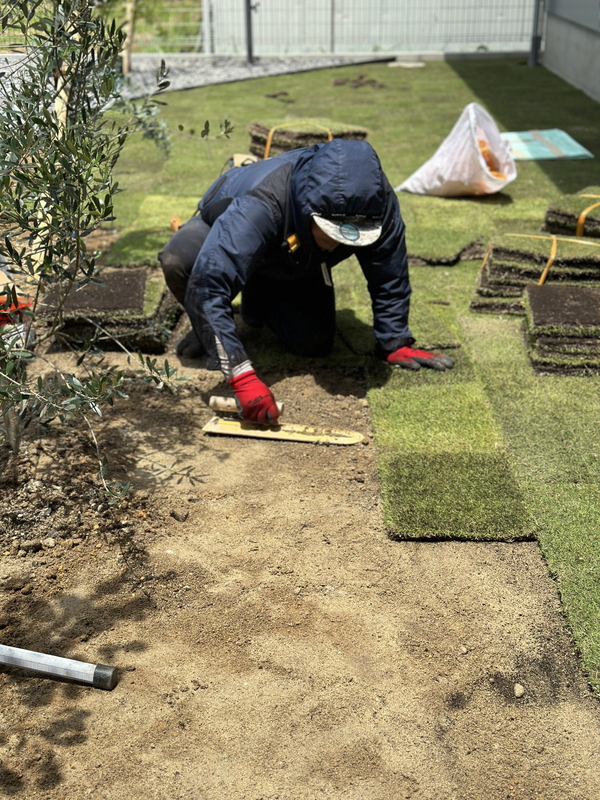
190	72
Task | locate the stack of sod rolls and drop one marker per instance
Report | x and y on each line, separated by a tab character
515	261
291	134
131	306
562	325
575	214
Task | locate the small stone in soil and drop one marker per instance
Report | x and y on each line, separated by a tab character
519	690
31	544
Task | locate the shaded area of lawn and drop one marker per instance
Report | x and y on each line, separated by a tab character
522	98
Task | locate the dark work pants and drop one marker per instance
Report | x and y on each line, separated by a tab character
300	312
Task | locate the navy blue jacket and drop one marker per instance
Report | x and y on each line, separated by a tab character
252	211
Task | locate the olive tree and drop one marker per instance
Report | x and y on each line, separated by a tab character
63	125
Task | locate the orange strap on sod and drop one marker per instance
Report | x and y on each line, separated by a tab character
553	248
291	125
486	258
544	274
581	219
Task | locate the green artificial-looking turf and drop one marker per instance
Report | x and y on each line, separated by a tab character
550	425
438	230
568	514
536	246
574	204
145	225
155	289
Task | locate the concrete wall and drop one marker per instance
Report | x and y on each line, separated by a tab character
581	12
573	52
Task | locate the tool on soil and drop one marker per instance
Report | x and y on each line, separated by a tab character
98	675
227	405
233	426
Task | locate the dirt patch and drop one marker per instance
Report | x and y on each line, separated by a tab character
101	240
272	641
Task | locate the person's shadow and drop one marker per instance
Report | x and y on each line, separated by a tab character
351	369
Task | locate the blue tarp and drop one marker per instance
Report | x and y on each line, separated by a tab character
544	145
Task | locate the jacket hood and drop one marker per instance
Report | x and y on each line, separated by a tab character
340	177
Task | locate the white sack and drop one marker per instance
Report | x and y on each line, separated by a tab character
459	166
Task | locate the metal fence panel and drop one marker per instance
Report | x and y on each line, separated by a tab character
174	26
342	27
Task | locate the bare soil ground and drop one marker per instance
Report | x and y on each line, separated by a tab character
272	642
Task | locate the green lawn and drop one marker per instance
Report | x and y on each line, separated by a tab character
490	450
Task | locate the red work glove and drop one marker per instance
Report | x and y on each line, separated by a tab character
408	358
254	399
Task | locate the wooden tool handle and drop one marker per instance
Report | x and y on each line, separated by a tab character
229	405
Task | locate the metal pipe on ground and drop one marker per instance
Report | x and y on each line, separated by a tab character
97	675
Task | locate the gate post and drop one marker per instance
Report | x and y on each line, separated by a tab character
249	10
536	39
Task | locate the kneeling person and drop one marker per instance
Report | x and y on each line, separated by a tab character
274	230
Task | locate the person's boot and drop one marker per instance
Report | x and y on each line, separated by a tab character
189	346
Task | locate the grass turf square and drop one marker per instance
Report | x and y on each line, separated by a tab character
453	495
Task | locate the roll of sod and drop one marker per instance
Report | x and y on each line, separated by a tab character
515	261
575	214
291	134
